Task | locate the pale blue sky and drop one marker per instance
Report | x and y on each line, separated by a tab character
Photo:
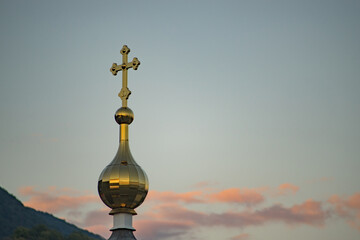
236	93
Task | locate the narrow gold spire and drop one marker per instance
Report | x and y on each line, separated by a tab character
134	64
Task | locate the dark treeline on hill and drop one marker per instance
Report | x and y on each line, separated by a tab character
41	232
16	221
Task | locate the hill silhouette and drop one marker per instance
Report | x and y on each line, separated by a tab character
14	214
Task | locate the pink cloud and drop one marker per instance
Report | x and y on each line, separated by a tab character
152	229
98	217
98	221
55	200
236	195
152	225
348	208
188	197
310	213
167	216
232	195
100	229
354	201
171	219
287	188
242	236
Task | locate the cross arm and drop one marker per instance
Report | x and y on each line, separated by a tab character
115	68
134	64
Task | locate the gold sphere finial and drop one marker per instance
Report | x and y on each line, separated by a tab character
124	115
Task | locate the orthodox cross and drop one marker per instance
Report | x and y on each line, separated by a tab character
134	64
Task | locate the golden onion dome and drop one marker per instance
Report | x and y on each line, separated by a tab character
123	185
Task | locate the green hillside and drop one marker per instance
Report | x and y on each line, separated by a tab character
13	214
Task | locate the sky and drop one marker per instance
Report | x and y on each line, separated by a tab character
246	114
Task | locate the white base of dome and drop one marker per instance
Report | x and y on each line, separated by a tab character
122	221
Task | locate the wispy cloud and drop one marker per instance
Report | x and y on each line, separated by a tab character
242	236
98	221
97	217
236	195
309	212
169	214
161	229
100	229
348	207
55	200
287	188
169	196
232	195
168	219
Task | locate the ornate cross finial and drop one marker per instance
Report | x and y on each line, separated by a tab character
134	64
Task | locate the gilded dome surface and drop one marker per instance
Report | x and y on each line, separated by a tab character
123	184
